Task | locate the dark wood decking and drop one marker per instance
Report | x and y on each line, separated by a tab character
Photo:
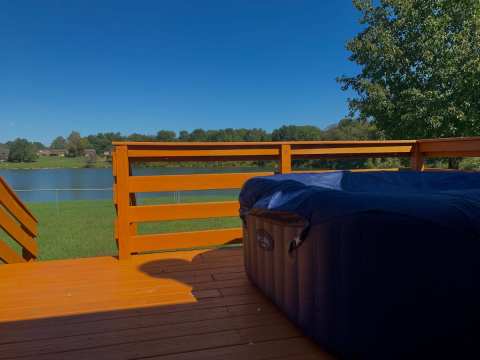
182	305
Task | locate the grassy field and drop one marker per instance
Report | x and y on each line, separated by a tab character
55	162
85	228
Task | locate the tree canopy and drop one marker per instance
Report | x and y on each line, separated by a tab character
22	150
420	67
58	143
76	145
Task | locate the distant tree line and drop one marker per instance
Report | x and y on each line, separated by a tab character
22	150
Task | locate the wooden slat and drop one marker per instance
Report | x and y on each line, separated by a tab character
250	144
8	255
349	151
17	233
451	147
15	208
15	196
189	182
162	212
352	170
176	153
184	240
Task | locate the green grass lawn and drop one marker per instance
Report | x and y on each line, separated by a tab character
54	162
75	229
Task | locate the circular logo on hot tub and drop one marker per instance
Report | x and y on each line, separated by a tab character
264	240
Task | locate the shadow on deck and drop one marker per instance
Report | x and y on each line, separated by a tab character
180	305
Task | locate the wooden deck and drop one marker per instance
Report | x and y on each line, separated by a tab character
178	305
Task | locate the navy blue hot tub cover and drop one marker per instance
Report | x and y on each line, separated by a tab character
450	199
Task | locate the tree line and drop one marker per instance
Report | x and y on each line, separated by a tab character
22	150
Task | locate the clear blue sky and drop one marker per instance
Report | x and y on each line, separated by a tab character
141	66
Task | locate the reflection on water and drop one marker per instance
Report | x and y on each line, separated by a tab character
94	184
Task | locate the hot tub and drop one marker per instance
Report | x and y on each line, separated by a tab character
370	265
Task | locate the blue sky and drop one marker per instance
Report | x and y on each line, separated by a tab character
141	66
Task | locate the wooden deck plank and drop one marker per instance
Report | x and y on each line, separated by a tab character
185	305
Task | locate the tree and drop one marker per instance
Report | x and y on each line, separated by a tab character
165	135
21	150
183	135
76	145
38	145
102	142
420	67
58	143
198	135
352	129
295	132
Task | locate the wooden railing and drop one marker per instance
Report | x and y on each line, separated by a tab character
126	185
19	223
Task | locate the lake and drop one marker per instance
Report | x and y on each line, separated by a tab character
93	184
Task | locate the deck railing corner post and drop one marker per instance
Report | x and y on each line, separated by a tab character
122	170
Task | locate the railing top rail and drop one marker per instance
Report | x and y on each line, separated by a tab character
451	139
262	143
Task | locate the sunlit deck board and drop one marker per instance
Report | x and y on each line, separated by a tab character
182	305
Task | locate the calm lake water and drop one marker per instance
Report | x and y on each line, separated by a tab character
91	184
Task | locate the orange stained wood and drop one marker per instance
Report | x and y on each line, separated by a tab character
234	144
182	305
19	223
164	212
348	151
126	185
122	168
185	240
174	153
190	182
285	159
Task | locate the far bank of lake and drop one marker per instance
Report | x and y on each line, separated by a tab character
45	185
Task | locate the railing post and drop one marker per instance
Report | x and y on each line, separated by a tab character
416	159
123	201
285	159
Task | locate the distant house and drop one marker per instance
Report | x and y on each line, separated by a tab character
108	155
4	152
90	154
52	152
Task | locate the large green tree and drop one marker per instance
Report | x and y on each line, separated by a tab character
420	67
22	150
76	145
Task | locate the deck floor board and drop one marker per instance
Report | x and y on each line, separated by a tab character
171	306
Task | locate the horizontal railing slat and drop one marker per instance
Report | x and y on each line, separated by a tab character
15	208
161	183
184	240
8	255
352	170
18	234
175	153
348	151
144	213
